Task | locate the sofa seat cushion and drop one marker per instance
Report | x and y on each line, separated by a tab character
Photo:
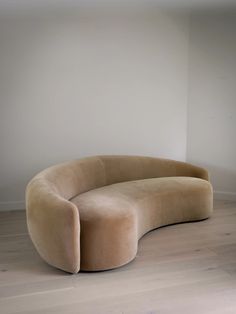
114	217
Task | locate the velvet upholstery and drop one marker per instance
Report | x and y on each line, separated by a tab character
89	214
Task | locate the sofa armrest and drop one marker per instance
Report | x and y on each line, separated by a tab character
196	171
54	227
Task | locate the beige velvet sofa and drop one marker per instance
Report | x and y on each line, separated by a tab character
89	214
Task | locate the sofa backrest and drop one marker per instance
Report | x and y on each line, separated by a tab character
75	177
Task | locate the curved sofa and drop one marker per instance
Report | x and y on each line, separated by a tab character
89	214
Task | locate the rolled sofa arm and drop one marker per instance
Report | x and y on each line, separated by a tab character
54	227
182	168
199	172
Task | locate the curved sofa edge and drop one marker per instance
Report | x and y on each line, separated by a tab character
54	227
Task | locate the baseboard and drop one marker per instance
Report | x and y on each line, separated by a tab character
223	195
5	206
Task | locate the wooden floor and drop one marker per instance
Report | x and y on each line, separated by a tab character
187	268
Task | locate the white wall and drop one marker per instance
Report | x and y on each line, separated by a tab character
212	99
89	83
